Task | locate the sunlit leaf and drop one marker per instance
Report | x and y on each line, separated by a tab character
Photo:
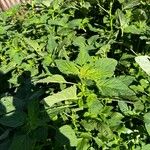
67	67
68	132
144	63
66	94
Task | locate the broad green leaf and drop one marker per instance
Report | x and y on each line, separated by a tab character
134	29
51	46
22	142
147	125
2	30
138	106
144	63
47	3
131	4
40	134
123	107
104	50
68	132
67	67
89	125
83	144
5	144
121	1
33	114
74	23
100	69
105	131
92	39
95	108
106	67
116	119
13	120
83	57
127	80
113	87
4	135
6	68
146	147
66	94
56	110
34	44
79	41
147	122
52	79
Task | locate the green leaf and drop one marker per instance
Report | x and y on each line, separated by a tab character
133	29
66	94
147	122
74	23
67	67
89	125
83	57
22	142
127	80
33	113
92	39
95	108
83	144
53	79
123	107
104	50
131	4
113	87
6	105
79	41
144	63
146	147
4	135
100	69
68	132
5	144
34	44
13	120
51	44
116	119
105	66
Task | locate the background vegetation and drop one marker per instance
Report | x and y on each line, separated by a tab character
72	75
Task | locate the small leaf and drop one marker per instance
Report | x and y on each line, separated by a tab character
144	63
66	94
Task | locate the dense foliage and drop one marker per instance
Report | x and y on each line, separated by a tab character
74	75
